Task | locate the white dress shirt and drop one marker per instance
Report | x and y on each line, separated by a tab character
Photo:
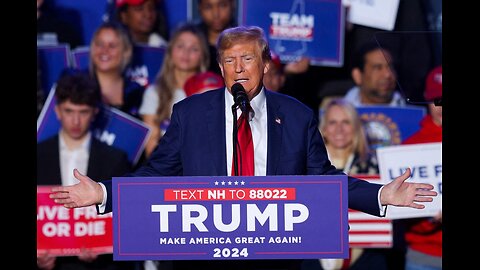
73	159
258	125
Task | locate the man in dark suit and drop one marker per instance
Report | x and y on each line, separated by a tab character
78	97
48	161
286	141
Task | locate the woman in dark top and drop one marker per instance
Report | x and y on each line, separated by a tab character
110	53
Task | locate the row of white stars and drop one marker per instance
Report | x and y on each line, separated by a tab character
229	183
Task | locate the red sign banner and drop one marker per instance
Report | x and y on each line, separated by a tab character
65	232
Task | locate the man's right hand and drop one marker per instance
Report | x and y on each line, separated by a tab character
85	193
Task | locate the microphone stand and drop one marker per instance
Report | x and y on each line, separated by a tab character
235	139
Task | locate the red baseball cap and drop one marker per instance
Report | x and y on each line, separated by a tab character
433	84
202	82
120	3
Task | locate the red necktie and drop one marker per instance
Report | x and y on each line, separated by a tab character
244	148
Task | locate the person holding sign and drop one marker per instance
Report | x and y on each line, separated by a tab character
424	235
284	140
185	56
78	97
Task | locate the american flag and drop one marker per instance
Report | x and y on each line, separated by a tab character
369	231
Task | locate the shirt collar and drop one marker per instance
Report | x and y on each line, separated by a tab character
354	97
84	146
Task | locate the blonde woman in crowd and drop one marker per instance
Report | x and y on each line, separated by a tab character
110	54
345	138
186	55
348	150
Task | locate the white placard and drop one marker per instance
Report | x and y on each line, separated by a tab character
425	162
379	14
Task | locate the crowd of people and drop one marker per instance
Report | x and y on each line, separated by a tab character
209	56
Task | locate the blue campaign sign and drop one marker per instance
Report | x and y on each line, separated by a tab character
296	28
228	218
121	130
111	126
386	126
90	14
81	57
52	60
47	122
177	12
146	63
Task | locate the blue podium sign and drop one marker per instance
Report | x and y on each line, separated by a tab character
228	218
296	28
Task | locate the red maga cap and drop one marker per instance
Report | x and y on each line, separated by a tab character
202	82
433	84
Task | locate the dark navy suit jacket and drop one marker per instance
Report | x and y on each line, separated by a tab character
194	145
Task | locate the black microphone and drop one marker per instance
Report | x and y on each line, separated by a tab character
240	97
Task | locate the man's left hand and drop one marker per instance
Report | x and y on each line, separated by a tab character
401	193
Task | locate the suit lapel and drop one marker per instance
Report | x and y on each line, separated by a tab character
216	133
275	126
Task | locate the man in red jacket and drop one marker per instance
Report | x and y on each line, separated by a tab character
424	235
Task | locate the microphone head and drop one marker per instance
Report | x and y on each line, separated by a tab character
240	96
236	88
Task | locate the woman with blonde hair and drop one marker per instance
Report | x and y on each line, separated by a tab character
348	150
110	54
186	55
345	138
